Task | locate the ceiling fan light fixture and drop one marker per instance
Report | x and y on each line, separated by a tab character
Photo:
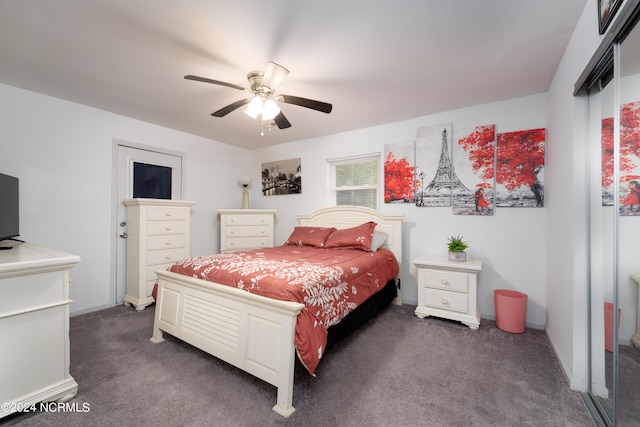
270	110
254	108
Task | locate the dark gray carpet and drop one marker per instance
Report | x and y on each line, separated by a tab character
397	370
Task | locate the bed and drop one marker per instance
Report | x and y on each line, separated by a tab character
253	332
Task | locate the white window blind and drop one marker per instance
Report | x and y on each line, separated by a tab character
354	180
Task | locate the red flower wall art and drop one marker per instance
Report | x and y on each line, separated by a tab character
520	168
629	159
473	161
399	172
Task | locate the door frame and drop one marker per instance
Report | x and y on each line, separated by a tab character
114	201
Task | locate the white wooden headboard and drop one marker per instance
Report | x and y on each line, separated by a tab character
350	216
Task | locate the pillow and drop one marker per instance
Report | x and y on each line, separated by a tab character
378	240
358	237
309	236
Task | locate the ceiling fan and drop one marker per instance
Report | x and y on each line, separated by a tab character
264	101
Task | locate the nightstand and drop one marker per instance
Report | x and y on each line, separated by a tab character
448	289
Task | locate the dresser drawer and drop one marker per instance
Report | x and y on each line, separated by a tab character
231	220
166	242
446	300
448	280
166	227
27	291
164	256
248	231
168	212
245	243
151	270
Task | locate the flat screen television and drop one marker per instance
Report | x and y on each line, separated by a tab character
9	207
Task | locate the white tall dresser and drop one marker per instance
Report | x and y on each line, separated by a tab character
245	229
34	327
158	235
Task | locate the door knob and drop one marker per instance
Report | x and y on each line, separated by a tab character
123	235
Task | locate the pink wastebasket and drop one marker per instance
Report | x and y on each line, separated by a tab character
511	310
608	325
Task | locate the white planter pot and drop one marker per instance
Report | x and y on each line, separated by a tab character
458	256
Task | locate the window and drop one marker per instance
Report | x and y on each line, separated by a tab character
354	180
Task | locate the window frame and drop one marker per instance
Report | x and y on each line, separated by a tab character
363	158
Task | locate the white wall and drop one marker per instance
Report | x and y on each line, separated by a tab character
511	243
62	154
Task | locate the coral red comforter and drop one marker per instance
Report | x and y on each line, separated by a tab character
329	282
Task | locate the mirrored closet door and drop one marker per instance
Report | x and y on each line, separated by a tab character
627	223
613	86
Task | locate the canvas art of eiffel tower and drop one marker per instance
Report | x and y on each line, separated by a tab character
445	181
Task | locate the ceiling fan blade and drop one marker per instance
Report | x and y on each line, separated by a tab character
273	75
282	121
215	82
308	103
231	107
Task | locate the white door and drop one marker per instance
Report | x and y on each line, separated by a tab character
132	164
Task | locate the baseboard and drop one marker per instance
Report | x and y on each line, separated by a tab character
90	310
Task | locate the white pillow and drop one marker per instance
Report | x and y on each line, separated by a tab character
378	240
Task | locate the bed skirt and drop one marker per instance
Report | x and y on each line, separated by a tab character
362	314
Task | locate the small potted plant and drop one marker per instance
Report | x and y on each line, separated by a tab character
456	249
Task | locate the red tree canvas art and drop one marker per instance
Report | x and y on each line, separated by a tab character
519	168
629	159
399	173
473	160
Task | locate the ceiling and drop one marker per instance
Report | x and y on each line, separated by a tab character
376	61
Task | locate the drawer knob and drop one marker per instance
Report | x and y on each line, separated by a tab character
167	213
167	227
444	281
167	242
444	301
167	256
232	232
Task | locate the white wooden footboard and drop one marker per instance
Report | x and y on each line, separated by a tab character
251	332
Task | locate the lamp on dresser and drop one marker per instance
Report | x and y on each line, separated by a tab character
245	182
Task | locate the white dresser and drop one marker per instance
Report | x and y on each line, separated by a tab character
245	229
158	235
448	289
34	327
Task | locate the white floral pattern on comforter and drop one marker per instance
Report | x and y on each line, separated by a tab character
329	282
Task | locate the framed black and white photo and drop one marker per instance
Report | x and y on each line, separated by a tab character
606	11
282	177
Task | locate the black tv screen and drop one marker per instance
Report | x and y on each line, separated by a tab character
9	207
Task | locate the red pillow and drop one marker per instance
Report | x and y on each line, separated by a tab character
358	237
309	236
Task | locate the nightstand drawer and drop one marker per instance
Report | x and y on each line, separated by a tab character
451	281
446	300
